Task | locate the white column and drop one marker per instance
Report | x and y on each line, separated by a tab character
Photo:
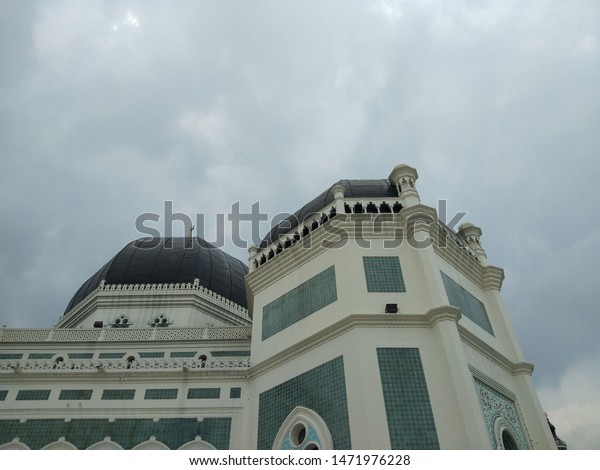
338	194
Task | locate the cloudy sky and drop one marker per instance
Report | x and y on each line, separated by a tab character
110	108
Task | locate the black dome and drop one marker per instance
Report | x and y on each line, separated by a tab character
171	260
353	188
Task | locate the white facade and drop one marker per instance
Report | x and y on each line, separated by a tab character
370	325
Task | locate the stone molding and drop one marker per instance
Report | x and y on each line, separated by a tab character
514	368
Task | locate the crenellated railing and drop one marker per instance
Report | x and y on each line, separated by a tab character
316	220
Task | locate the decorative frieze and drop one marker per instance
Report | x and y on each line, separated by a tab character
125	364
501	415
125	334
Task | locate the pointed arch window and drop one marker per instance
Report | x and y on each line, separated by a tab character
303	429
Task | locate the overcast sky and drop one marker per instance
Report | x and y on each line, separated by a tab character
108	109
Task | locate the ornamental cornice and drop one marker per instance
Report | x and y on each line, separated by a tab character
492	278
332	234
342	228
492	383
111	414
418	216
349	323
514	368
453	249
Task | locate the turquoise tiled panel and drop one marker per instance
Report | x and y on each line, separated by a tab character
198	393
118	394
469	305
111	355
75	395
495	405
230	353
407	406
183	354
235	392
3	394
41	356
302	301
160	394
80	355
33	394
322	389
383	274
151	355
82	433
11	356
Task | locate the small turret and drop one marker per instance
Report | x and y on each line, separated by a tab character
404	177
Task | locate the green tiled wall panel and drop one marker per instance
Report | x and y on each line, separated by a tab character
11	356
160	394
82	433
322	389
407	406
40	356
197	393
111	355
118	394
33	394
302	301
75	395
230	353
151	355
183	354
80	355
383	274
470	306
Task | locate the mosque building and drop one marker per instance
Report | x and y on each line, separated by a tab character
360	322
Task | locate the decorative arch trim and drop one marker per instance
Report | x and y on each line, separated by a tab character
502	425
303	428
197	444
15	444
151	444
61	444
106	444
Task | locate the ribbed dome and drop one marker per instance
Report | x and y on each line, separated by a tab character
352	188
171	260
